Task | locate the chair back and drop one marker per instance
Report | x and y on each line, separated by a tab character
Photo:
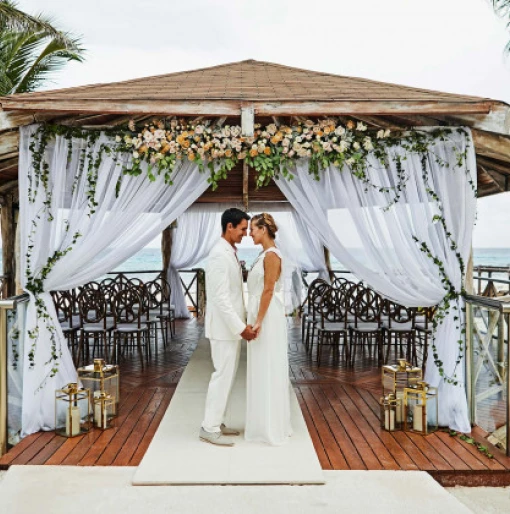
399	314
367	306
332	307
128	306
64	305
92	306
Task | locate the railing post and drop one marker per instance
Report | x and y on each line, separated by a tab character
5	305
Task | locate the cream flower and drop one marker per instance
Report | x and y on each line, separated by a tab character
380	134
340	131
361	127
349	162
356	145
272	129
136	155
131	125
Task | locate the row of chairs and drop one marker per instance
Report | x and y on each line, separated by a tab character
108	318
350	316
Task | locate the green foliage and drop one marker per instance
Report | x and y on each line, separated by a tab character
31	50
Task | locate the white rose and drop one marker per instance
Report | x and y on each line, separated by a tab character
136	155
356	146
387	133
339	131
349	162
380	134
118	139
361	127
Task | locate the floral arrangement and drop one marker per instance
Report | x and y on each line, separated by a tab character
271	148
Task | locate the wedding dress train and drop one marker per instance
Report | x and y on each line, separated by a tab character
268	384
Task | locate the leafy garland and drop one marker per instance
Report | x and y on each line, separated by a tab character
163	145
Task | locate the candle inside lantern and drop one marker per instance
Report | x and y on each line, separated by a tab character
418	418
400	406
73	421
389	419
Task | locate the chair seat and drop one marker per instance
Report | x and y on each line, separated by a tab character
66	329
332	326
366	327
131	327
97	327
399	327
421	327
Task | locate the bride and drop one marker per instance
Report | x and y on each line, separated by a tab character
268	384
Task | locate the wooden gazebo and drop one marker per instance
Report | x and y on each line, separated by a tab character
269	91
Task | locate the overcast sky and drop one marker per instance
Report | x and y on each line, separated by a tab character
447	45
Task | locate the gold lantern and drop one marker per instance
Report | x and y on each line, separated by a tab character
391	413
421	408
101	378
398	376
104	410
72	410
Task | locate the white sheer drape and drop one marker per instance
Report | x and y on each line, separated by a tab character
302	250
391	261
120	226
198	229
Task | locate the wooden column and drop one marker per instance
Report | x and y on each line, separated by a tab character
8	240
166	248
327	258
246	185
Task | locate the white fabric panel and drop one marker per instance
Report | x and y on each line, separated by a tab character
120	227
301	248
198	230
390	261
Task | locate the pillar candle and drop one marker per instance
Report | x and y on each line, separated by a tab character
389	420
73	421
400	407
100	417
418	418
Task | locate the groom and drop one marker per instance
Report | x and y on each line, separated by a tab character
225	324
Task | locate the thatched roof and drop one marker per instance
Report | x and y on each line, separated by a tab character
273	90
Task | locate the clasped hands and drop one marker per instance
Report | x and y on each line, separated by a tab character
251	332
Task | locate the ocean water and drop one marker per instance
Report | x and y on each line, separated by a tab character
150	259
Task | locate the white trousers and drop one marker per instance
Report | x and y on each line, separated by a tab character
225	358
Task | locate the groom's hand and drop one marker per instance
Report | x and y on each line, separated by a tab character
248	333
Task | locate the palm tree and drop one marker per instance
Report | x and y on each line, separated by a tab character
31	49
502	9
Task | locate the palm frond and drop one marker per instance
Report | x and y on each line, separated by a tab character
52	58
13	19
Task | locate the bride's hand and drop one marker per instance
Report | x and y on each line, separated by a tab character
256	329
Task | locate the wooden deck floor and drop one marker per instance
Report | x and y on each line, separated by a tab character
340	407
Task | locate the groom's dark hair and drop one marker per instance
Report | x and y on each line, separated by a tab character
234	216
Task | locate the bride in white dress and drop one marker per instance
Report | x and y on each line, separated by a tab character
268	384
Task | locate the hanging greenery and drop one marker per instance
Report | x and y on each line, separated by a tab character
160	147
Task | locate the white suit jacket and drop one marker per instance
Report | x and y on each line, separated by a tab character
225	316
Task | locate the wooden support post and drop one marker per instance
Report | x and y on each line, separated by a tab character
166	248
246	184
327	258
8	236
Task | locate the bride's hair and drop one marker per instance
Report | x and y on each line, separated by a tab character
267	221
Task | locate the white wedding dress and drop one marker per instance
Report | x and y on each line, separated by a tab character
268	383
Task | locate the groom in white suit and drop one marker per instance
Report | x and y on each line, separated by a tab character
225	324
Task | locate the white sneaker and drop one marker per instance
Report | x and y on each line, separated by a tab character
215	438
229	431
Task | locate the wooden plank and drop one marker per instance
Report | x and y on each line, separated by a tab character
151	430
17	450
233	107
10	120
367	444
314	434
328	441
51	447
138	432
118	440
9	142
372	437
8	232
34	448
64	450
340	432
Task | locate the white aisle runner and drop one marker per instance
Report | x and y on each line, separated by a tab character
177	456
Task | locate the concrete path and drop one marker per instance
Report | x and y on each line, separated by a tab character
96	490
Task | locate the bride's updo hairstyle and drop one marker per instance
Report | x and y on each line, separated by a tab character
267	221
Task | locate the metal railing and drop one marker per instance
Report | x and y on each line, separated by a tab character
485	283
487	363
6	321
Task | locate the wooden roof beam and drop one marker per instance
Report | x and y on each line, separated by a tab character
233	107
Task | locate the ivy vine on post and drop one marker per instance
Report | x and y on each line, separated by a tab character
161	147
